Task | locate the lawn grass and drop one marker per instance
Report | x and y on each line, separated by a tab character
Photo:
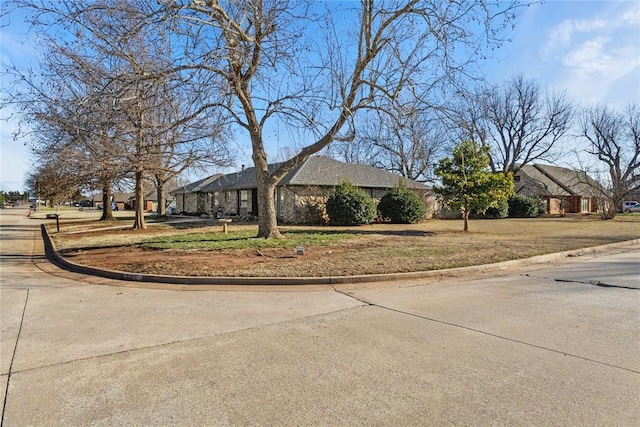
202	249
245	239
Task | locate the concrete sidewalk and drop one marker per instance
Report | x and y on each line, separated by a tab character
51	317
520	349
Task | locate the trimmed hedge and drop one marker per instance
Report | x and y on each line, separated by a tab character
401	206
349	205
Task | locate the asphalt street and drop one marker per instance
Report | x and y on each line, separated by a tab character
547	344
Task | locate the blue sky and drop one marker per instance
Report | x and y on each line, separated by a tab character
591	49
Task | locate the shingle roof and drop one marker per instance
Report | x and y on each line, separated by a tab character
196	186
116	197
317	171
548	180
325	171
151	196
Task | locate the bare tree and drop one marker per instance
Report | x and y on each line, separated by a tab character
357	151
183	139
406	139
113	30
54	179
63	116
314	66
158	118
614	138
520	122
466	115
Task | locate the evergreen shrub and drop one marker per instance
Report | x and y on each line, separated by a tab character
502	211
350	205
401	205
521	206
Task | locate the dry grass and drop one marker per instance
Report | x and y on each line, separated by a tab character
379	248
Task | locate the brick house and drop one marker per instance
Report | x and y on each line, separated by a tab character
149	200
299	197
564	190
120	199
191	199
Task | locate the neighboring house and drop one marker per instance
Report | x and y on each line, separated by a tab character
299	197
150	202
120	199
190	199
564	190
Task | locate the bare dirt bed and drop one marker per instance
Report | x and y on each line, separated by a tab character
378	248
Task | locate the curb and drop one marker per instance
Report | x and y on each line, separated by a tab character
53	255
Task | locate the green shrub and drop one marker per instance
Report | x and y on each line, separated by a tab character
524	206
349	205
401	206
502	211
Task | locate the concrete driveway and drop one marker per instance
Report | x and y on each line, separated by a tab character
518	349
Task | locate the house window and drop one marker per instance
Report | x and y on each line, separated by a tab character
585	204
244	199
516	178
226	196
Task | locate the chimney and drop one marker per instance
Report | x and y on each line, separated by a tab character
242	167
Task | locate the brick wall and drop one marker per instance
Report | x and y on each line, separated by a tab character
303	205
228	201
295	205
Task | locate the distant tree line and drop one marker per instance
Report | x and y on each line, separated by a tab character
14	196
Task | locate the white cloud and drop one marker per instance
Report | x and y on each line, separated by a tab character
593	57
632	16
592	69
563	34
584	25
589	57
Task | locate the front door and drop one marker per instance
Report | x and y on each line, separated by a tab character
254	202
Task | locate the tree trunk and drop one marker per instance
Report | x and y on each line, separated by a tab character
609	209
107	212
162	199
139	223
267	221
465	216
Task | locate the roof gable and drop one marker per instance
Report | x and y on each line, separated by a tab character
557	181
195	187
